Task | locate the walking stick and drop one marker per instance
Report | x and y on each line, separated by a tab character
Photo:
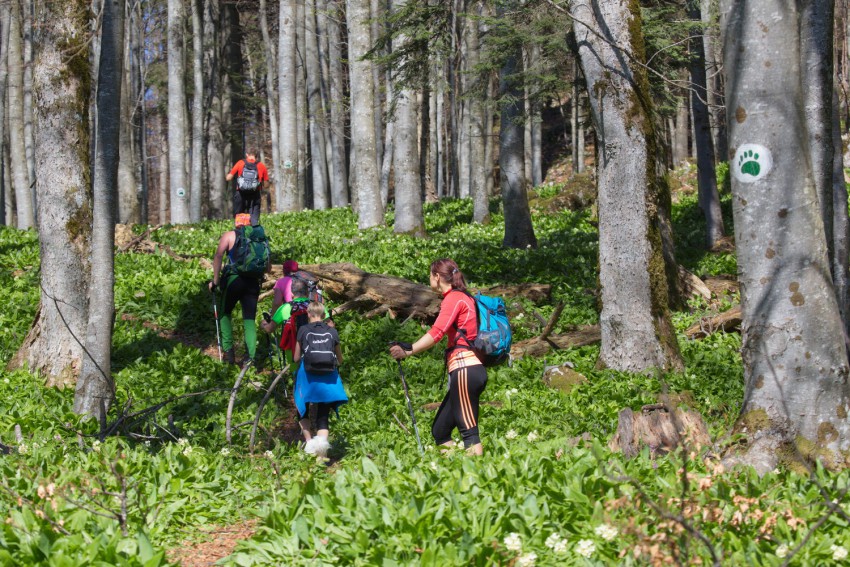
407	346
217	333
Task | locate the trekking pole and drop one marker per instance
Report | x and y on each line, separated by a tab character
407	346
217	332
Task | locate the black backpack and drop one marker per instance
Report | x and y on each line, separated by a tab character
318	348
249	179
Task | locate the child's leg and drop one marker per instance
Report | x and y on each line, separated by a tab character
322	413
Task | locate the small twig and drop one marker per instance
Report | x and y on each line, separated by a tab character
139	238
556	314
400	424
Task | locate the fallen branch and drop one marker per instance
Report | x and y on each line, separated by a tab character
583	336
262	405
233	391
728	321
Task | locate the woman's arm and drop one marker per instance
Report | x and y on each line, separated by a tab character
338	350
425	342
296	352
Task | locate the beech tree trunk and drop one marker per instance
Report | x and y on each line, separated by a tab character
128	197
6	209
519	232
795	360
339	175
177	115
60	83
219	190
287	191
316	110
95	391
271	93
29	138
370	210
478	123
20	176
197	169
637	334
709	198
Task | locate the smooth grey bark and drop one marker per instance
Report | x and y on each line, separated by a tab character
197	168
95	389
681	127
795	360
478	124
841	222
536	124
127	198
336	80
60	86
519	232
6	192
380	77
177	115
287	190
370	210
709	198
581	143
219	204
162	163
406	179
389	138
302	120
271	92
17	138
29	141
316	110
138	112
637	334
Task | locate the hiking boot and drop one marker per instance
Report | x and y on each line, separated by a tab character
230	357
247	360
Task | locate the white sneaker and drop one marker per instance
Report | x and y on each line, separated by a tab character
321	446
310	446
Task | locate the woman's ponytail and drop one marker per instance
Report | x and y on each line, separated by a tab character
447	269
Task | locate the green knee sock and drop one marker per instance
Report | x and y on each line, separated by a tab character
250	336
226	333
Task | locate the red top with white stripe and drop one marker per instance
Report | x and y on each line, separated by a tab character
457	311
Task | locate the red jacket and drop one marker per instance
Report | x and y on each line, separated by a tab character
261	170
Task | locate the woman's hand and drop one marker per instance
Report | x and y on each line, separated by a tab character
399	353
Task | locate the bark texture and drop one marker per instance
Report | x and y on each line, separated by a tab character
795	362
637	334
177	115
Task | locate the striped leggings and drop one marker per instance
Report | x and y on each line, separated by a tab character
460	406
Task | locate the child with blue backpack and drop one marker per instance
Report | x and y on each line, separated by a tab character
467	375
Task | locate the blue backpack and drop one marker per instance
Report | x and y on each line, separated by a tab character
493	343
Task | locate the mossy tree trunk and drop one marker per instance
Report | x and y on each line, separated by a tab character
795	361
637	333
61	78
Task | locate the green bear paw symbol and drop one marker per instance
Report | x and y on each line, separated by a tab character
749	163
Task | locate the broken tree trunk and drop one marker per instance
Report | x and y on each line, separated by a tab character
728	321
659	429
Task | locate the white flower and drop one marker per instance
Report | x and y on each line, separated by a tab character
95	446
187	450
511	434
606	532
35	445
782	551
269	455
839	552
513	542
225	451
5	380
527	560
585	547
532	437
182	441
514	391
507	393
190	433
433	465
147	443
556	543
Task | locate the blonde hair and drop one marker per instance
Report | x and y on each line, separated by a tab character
316	311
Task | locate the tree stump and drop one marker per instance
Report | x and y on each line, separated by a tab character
659	429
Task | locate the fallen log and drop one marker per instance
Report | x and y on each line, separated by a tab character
583	336
660	427
728	321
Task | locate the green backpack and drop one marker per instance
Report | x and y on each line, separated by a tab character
250	254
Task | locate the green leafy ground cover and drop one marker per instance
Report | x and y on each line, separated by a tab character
538	496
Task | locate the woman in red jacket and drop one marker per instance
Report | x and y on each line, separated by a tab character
467	376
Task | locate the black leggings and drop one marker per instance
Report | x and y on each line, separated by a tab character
323	411
460	406
244	290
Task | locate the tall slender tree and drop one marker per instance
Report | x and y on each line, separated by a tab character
177	115
17	137
287	192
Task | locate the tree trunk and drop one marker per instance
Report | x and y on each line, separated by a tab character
304	189
316	111
795	360
709	198
197	176
95	391
478	123
17	143
339	176
519	232
271	93
60	82
287	191
536	133
29	137
128	197
680	131
6	209
637	334
380	77
176	115
219	202
139	112
389	140
370	211
841	222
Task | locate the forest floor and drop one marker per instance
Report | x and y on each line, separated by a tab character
216	544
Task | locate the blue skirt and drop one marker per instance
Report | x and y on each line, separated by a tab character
318	388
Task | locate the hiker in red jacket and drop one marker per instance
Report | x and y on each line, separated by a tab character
250	175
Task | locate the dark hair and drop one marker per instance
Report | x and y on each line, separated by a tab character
299	287
252	152
448	270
